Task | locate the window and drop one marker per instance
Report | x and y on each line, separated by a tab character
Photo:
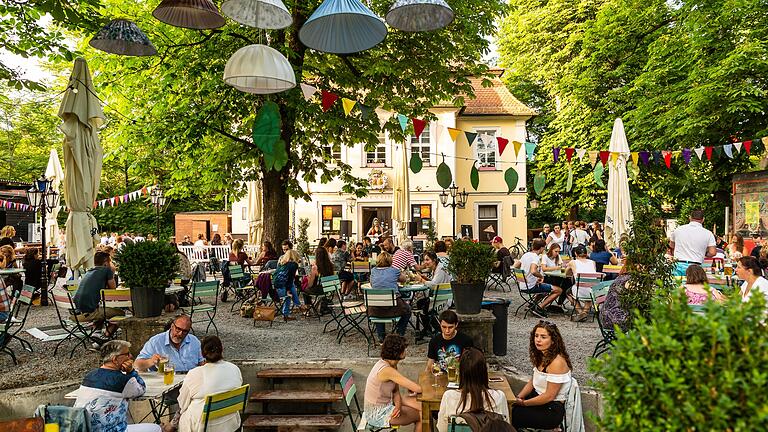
377	157
487	222
331	219
333	151
486	151
422	146
422	215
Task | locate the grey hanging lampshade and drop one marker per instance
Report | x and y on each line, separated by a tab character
194	14
419	15
263	14
123	37
342	27
259	69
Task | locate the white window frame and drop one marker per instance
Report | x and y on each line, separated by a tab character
334	160
499	217
430	145
479	131
387	154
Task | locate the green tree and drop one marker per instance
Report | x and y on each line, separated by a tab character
29	132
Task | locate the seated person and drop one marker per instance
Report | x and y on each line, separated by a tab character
439	276
215	376
5	302
473	394
369	247
384	405
340	258
541	403
403	257
534	277
580	264
322	267
105	391
441	250
359	254
697	293
266	254
177	345
501	252
601	256
88	295
449	343
8	261
384	276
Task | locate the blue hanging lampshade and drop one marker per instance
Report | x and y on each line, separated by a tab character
123	37
419	15
342	27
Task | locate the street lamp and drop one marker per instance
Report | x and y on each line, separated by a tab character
158	199
458	199
44	199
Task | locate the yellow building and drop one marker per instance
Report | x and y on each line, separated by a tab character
489	211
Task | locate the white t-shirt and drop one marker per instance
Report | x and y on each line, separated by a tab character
200	243
691	242
526	260
579	237
549	262
540	380
200	382
449	406
760	286
555	239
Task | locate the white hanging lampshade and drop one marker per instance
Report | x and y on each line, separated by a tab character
342	27
419	15
123	37
194	14
263	14
259	69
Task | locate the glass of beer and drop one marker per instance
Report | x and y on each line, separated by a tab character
728	270
168	373
452	373
161	365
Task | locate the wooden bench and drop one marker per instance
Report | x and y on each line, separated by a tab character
275	421
297	396
33	424
336	373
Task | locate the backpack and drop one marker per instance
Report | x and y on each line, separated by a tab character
476	421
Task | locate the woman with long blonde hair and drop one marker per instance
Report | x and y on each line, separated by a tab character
283	281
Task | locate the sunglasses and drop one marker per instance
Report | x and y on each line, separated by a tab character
547	323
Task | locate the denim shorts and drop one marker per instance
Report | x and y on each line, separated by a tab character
539	288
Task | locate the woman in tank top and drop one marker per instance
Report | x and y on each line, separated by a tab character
697	293
575	267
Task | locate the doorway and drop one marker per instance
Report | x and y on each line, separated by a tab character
384	214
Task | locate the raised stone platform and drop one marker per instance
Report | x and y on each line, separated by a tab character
480	328
137	331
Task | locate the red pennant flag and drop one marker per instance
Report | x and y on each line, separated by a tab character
144	190
667	158
328	100
418	126
604	156
569	153
708	151
747	145
502	144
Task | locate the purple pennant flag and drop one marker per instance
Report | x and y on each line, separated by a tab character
556	153
644	155
687	155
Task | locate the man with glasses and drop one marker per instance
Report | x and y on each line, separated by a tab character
177	345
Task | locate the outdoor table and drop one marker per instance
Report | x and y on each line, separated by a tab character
555	273
431	396
155	393
10	271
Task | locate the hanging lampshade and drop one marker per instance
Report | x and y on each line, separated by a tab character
419	15
263	14
342	27
259	69
123	37
194	14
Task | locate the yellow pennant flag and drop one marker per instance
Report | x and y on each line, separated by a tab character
592	157
454	133
348	105
764	140
517	145
614	157
635	157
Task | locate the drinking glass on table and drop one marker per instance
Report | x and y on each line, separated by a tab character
436	372
168	373
161	365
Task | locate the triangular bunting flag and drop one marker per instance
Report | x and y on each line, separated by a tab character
502	144
737	146
592	157
384	116
580	152
748	146
516	146
418	126
348	105
569	153
308	91
486	139
686	155
614	157
699	152
728	149
454	133
365	111
144	190
403	120
328	99
657	157
644	156
667	158
530	148
635	156
439	130
555	154
708	151
471	136
604	156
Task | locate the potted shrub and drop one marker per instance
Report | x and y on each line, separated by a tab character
146	268
470	264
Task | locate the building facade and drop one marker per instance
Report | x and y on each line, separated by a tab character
489	210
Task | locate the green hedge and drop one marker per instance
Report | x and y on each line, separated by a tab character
681	371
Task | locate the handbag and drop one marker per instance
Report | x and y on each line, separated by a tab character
247	309
264	313
476	421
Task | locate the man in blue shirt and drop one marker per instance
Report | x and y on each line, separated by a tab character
88	295
177	345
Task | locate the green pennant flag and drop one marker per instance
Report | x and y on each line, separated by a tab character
403	121
416	163
539	180
474	176
598	175
470	137
511	177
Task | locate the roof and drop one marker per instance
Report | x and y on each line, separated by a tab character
204	212
494	100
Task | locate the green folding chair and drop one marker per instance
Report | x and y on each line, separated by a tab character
204	289
379	298
608	335
584	283
225	403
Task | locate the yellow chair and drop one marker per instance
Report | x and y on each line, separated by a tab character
225	403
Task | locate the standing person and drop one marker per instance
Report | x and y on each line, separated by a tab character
748	269
501	252
384	405
176	344
283	279
579	237
601	256
595	232
340	258
556	236
105	391
691	243
376	229
534	277
541	403
449	343
473	395
545	230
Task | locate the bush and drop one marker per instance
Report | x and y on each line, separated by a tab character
470	261
149	264
682	371
302	240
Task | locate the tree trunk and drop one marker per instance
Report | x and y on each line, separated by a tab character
276	211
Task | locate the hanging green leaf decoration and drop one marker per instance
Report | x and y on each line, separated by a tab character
266	127
416	163
444	176
474	176
510	176
632	171
569	183
539	180
278	158
598	174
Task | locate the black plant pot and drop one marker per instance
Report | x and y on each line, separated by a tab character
468	297
147	302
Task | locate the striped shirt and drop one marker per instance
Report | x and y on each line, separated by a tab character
403	259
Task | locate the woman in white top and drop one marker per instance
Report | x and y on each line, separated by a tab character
473	394
551	260
748	269
581	264
541	403
557	236
215	376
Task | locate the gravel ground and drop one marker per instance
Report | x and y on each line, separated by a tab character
302	338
